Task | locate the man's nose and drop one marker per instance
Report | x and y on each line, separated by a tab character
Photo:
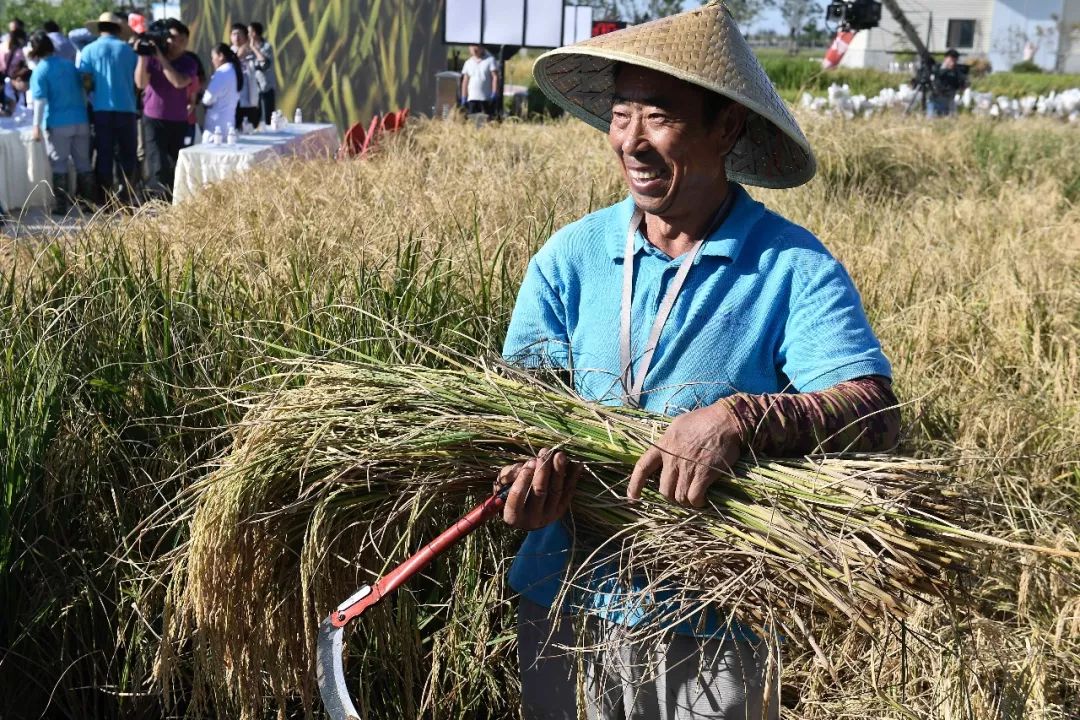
633	137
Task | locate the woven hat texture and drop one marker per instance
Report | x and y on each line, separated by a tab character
701	46
94	26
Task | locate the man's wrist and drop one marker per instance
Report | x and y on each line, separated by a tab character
740	414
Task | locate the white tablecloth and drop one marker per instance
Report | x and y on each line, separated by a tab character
207	163
25	172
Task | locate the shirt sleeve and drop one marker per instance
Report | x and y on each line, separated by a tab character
827	338
268	53
39	85
210	95
537	337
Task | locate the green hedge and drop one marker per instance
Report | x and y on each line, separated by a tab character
1018	84
795	75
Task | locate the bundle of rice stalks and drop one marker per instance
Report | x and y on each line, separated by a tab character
361	461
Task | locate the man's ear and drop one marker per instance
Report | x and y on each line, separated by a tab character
729	126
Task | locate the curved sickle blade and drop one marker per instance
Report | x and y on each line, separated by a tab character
331	674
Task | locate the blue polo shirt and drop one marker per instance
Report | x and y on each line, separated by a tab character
56	81
111	61
765	309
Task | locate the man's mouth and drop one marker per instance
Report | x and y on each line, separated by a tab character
644	175
647	181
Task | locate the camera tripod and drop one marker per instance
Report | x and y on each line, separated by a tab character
923	82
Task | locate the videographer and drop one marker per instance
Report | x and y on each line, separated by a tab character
163	76
949	79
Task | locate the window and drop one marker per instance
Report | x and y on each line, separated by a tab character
961	34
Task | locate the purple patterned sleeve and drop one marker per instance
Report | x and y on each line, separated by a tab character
860	415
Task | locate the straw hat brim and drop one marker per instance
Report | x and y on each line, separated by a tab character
705	48
126	32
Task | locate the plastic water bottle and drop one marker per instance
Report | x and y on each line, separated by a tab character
231	137
298	117
275	120
217	135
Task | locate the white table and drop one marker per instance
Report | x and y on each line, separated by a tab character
25	172
207	163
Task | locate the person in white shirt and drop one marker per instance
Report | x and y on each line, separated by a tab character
480	81
222	94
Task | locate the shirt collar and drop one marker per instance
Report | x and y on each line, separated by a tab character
725	241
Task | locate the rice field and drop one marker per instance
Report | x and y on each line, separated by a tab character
131	349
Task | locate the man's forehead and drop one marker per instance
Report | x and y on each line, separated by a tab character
650	87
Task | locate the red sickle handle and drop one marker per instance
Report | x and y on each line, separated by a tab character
390	582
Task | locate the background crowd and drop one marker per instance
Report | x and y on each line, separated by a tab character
119	104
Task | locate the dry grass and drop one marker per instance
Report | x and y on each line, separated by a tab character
964	239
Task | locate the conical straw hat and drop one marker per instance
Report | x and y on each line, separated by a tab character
703	47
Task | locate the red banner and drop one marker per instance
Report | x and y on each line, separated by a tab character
836	51
603	27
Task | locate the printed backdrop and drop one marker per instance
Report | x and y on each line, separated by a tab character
338	60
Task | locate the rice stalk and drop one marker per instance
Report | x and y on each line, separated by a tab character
331	471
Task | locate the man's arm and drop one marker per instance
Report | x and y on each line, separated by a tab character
176	78
495	82
142	72
856	415
263	60
860	415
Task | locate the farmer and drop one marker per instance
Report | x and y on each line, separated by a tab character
688	298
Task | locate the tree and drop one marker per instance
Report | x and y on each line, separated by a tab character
796	13
68	14
633	11
662	8
746	11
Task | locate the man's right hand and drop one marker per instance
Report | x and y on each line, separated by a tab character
541	489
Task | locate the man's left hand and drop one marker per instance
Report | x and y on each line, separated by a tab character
695	450
35	134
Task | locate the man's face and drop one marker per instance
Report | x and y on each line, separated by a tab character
251	33
12	26
177	43
949	62
476	50
671	160
239	37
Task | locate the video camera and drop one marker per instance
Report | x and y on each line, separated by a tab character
155	38
854	14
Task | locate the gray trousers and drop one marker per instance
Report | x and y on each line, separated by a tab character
68	141
682	678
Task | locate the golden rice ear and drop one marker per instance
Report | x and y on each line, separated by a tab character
704	47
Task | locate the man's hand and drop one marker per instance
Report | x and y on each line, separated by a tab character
694	451
35	134
541	491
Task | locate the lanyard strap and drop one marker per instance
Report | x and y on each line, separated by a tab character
632	381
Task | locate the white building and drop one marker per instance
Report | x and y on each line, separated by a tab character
1001	31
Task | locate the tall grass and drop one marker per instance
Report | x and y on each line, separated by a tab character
125	347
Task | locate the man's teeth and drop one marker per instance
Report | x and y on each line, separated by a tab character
644	174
